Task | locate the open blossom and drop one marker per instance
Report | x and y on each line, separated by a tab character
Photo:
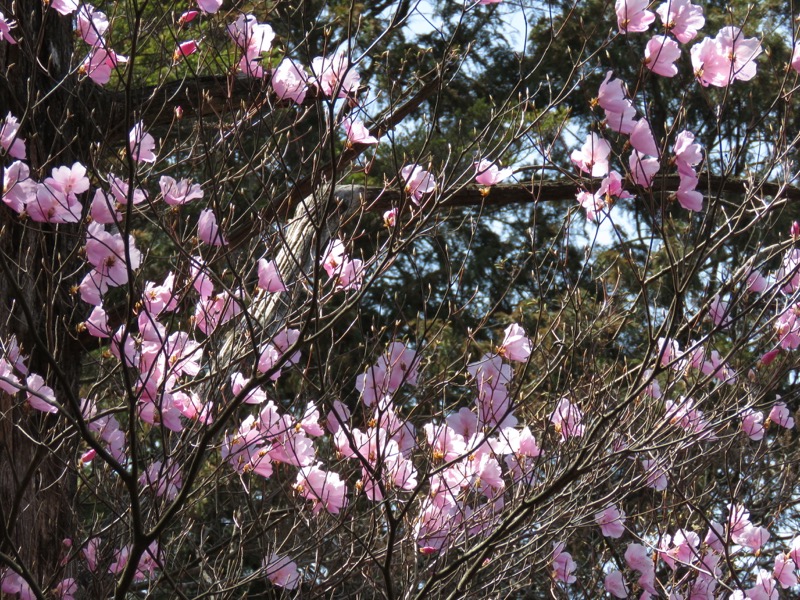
142	144
783	571
282	572
357	132
100	63
563	565
269	278
9	138
614	584
18	187
633	16
679	549
727	57
289	82
516	344
181	192
567	419
209	6
611	521
642	138
335	74
92	24
40	396
418	181
682	19
5	29
796	57
488	173
592	157
660	55
324	488
643	169
781	415
753	424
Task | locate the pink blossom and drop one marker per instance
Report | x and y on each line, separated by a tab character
289	81
99	64
680	548
781	415
6	25
765	588
719	311
642	138
18	187
593	204
164	481
92	24
390	217
643	169
687	194
269	278
687	153
611	521
250	35
516	344
682	19
633	16
97	323
656	474
121	191
563	565
614	584
488	173
795	57
726	58
753	424
324	488
13	584
9	139
9	382
109	253
208	231
357	133
418	182
660	55
612	95
187	17
141	144
637	559
593	156
40	396
185	50
66	589
160	298
335	75
64	7
282	572
209	6
794	551
567	420
783	571
53	205
177	193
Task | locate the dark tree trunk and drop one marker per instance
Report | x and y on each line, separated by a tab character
36	274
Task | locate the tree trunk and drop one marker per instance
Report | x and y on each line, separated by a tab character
36	274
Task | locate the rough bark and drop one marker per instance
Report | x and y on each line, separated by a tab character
35	304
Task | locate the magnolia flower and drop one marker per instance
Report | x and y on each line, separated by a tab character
418	181
9	139
611	521
185	50
6	25
289	82
99	64
141	144
614	584
643	169
563	565
269	278
567	419
40	396
181	192
92	24
208	231
357	133
516	345
660	55
633	16
682	19
488	173
781	415
592	158
727	57
282	572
